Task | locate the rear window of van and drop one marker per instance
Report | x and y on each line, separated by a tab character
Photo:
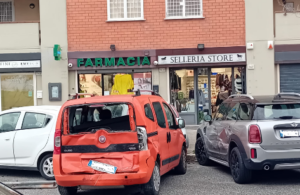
90	118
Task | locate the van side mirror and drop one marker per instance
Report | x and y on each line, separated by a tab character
207	118
181	123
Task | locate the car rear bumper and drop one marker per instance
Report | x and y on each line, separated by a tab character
275	159
119	179
274	164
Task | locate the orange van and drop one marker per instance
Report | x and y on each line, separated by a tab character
117	141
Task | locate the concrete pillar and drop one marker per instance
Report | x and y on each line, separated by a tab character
260	30
160	77
53	18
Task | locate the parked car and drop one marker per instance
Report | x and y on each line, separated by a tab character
100	149
183	129
252	133
26	136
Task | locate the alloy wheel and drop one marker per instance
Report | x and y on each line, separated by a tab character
201	152
234	164
156	178
48	167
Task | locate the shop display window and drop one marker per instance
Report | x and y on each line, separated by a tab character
114	84
16	91
182	90
90	83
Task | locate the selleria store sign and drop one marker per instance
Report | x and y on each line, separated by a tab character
109	62
201	59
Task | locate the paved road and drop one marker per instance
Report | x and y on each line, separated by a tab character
213	180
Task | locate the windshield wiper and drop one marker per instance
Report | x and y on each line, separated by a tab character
285	117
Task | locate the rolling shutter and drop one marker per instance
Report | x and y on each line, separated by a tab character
290	78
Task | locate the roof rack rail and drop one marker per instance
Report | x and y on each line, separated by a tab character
242	95
138	92
288	94
77	95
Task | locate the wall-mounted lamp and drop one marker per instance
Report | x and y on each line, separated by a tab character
112	47
200	47
32	6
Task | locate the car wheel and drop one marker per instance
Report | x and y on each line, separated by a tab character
182	167
67	190
238	170
152	187
46	167
201	153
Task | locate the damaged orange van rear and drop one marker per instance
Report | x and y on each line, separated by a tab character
117	141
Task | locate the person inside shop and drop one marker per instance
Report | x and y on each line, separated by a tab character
222	95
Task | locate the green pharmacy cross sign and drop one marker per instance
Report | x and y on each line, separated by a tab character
57	52
109	62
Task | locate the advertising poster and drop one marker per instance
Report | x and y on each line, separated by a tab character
90	83
142	81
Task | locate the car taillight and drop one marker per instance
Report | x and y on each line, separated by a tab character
254	134
57	142
142	137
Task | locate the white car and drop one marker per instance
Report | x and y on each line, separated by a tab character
26	139
183	129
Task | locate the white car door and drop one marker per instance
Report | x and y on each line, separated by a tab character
9	122
32	137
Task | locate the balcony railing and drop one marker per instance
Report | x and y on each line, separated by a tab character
19	35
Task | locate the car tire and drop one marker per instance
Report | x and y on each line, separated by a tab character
152	187
239	172
182	167
201	152
67	190
46	167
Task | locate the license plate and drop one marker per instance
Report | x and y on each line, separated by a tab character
102	167
284	134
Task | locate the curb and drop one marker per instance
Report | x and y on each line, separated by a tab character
5	190
32	185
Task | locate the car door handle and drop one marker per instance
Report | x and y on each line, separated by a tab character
7	139
168	137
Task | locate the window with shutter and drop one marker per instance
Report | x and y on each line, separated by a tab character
184	9
6	11
125	10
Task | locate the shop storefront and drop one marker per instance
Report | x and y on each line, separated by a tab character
18	79
112	75
200	82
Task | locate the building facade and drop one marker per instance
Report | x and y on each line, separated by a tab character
273	60
188	51
29	30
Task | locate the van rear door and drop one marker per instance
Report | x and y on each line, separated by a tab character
98	133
